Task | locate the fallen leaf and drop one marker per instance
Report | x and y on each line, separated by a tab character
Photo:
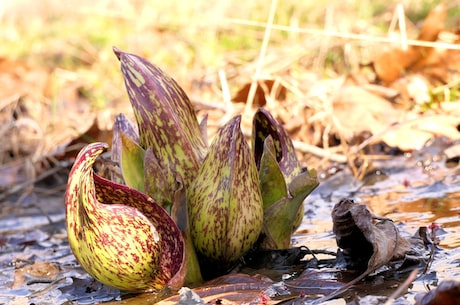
432	27
228	289
413	135
416	89
447	293
267	87
38	270
367	244
391	64
370	112
367	241
12	173
19	78
356	110
92	133
311	282
434	23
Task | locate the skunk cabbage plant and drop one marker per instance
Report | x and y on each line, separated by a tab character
119	235
283	183
180	207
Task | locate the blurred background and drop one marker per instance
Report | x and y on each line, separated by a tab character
355	83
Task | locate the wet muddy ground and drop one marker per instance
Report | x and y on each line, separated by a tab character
37	266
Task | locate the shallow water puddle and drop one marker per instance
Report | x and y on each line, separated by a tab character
37	266
411	194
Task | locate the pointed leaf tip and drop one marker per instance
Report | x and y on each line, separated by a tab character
117	52
226	210
264	124
166	118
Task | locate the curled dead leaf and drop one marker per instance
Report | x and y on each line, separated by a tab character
367	241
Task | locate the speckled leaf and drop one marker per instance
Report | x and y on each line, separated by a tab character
119	235
132	163
226	209
165	116
280	216
121	124
264	125
272	184
156	182
179	213
204	129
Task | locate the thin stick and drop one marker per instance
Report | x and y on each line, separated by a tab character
263	52
394	20
344	35
402	26
402	287
225	89
317	151
320	61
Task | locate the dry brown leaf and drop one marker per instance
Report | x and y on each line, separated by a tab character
20	79
312	281
228	289
434	23
356	110
414	89
447	293
440	65
415	134
39	270
367	240
391	64
265	88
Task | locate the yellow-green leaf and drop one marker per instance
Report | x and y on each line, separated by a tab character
119	235
156	181
132	163
225	201
121	125
272	184
280	216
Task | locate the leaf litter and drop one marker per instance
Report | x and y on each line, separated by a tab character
415	189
